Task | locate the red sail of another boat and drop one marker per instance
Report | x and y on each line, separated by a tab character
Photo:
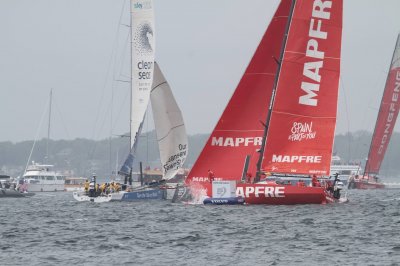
387	116
384	126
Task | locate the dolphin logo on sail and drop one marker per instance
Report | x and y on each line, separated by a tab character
144	39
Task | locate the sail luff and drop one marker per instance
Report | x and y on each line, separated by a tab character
387	115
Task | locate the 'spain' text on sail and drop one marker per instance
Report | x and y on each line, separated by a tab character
311	69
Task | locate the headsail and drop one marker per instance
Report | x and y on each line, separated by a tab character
169	125
238	132
387	115
142	53
301	130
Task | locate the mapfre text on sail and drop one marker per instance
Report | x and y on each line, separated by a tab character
320	13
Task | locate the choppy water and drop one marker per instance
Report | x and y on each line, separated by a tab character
53	229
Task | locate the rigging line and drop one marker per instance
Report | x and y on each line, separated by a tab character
347	118
114	84
115	44
37	133
365	116
95	143
147	137
120	71
62	118
114	94
118	116
114	48
114	87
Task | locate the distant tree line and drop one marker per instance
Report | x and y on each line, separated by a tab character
83	157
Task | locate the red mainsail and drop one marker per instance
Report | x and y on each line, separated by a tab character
387	115
238	132
301	130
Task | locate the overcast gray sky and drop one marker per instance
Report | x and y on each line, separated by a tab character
79	47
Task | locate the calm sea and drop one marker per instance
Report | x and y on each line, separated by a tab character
53	229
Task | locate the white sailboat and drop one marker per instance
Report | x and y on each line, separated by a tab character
168	120
171	137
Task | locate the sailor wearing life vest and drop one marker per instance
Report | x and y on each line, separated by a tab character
92	185
86	186
337	186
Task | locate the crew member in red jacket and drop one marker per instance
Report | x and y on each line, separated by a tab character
211	175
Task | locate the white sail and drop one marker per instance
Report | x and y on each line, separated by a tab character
170	128
142	63
142	34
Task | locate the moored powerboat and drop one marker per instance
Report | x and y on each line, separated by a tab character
39	178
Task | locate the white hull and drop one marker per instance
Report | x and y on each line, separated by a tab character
117	196
99	199
45	187
74	189
170	193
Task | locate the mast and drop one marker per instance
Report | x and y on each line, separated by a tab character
366	169
271	104
131	62
48	126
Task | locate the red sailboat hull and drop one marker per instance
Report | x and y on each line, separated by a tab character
273	194
276	194
365	183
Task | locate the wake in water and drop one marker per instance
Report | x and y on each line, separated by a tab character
393	199
392	185
192	194
198	194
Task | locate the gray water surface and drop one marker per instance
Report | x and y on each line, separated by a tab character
54	229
